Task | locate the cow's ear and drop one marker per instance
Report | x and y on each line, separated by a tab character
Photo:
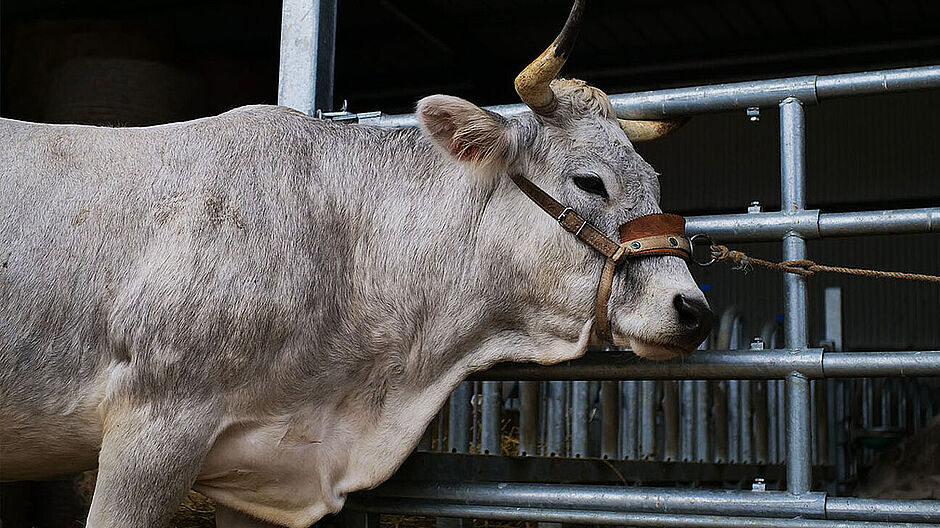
463	129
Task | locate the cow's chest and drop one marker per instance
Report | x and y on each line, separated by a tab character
296	468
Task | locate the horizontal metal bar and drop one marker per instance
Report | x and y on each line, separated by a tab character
560	470
780	504
888	222
808	89
724	364
854	508
589	517
624	364
875	82
810	223
755	227
713	98
871	364
614	498
409	120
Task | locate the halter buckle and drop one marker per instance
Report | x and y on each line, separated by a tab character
564	213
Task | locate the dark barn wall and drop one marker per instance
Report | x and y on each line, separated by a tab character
136	63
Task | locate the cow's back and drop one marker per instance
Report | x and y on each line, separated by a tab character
113	236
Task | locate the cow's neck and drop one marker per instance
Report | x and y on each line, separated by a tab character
437	285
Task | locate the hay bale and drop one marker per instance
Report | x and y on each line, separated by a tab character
197	511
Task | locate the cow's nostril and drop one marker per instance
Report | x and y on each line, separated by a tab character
686	316
693	313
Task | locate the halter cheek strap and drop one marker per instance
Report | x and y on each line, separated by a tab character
650	235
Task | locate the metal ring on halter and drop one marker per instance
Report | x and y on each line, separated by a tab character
706	238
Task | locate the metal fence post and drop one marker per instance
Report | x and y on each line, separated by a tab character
647	420
793	200
670	404
610	419
702	438
308	45
528	418
720	417
555	438
734	421
629	419
773	449
458	427
490	418
746	443
579	418
458	436
687	420
837	432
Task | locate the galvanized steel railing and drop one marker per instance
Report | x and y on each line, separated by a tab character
656	501
808	89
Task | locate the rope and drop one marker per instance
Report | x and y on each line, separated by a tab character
807	268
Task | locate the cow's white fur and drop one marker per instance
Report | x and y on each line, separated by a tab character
273	307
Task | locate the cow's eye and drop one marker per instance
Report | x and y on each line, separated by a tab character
592	184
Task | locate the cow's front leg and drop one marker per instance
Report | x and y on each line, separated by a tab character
229	518
150	456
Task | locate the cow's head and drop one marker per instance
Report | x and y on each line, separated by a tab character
574	147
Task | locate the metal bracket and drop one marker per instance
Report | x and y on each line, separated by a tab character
345	116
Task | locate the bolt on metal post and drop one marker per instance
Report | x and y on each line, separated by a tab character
759	485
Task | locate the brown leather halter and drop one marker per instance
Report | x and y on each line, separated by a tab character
650	235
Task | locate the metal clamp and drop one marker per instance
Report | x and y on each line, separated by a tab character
345	116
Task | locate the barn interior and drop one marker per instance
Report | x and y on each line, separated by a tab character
105	62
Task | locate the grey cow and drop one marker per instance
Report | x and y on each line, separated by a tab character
270	308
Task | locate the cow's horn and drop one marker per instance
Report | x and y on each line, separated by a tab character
532	84
639	131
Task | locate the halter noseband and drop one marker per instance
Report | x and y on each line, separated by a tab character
650	235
